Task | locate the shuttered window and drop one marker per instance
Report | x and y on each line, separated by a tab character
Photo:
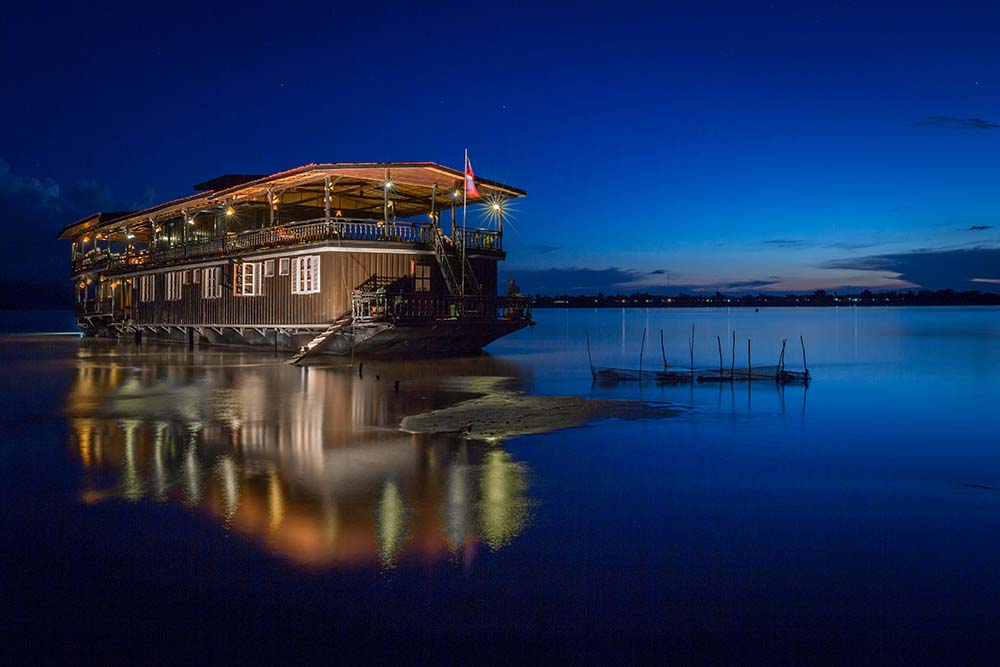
174	280
305	274
147	288
211	284
246	279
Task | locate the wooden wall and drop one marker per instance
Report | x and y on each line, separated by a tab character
340	273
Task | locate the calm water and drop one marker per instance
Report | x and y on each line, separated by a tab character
161	505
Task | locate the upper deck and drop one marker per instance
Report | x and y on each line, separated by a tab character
369	205
342	231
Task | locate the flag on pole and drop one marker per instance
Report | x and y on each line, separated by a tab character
470	178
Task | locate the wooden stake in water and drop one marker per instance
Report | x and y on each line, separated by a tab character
663	351
749	365
642	348
732	359
590	358
691	347
718	340
805	366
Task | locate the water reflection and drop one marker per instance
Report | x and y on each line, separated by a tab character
306	461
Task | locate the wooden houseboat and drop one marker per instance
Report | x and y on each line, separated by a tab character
341	258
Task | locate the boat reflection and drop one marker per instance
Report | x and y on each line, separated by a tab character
308	462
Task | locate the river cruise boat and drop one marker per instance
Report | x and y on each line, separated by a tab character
372	258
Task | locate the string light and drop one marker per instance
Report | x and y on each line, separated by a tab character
230	211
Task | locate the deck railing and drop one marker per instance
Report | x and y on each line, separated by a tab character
367	307
479	239
297	233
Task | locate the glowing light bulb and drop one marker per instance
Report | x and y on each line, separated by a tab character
229	210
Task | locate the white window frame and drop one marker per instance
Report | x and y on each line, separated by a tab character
305	274
147	288
268	268
195	276
211	284
173	290
246	279
284	266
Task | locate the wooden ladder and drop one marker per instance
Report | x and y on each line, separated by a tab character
441	253
319	341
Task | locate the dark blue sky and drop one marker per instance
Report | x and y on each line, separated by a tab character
717	145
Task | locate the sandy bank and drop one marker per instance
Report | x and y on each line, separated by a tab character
509	414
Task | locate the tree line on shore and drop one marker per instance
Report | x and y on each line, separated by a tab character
945	297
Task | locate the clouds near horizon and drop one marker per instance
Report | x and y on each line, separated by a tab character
36	209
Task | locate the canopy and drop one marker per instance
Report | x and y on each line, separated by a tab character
356	190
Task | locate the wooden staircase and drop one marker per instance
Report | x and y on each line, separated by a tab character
441	253
317	343
454	286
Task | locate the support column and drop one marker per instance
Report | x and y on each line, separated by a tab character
270	207
385	203
326	199
454	205
434	191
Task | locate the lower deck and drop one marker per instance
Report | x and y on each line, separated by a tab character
379	323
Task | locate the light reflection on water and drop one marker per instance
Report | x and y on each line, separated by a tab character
231	497
309	462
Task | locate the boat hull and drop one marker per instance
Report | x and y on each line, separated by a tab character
439	337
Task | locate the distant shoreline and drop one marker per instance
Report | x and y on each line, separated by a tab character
816	299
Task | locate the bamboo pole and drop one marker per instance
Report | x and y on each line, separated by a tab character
781	359
642	349
732	361
718	339
691	347
589	357
805	366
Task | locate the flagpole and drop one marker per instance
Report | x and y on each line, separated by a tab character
465	199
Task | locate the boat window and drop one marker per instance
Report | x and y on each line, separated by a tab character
211	286
174	280
305	275
246	279
147	288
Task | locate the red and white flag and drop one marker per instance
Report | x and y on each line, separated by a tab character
470	179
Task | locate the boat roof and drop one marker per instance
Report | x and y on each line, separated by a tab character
412	185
